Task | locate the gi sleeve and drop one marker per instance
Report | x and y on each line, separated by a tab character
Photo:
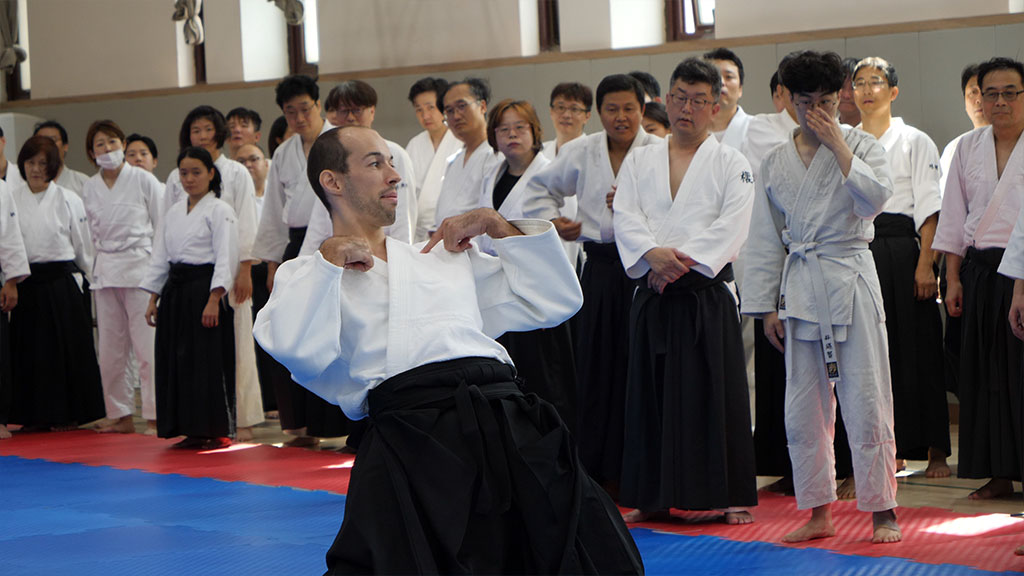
529	285
159	265
633	234
81	239
172	190
925	179
719	243
765	253
949	234
1012	264
547	190
301	324
869	182
224	231
272	233
245	210
153	193
13	259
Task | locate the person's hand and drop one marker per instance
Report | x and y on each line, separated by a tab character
211	313
954	298
609	198
151	312
926	285
667	266
348	252
9	296
1017	314
826	129
457	231
271	272
242	289
568	230
775	331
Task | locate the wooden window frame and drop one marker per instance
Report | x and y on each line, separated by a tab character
547	21
297	63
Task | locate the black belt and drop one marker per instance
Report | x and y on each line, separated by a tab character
988	257
602	251
692	282
50	271
296	234
894	226
180	273
442	383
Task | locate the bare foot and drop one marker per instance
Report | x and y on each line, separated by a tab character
123	425
783	485
150	428
817	527
886	530
937	467
735	516
996	488
303	442
272	415
847	490
901	464
243	434
646	516
1019	550
4	432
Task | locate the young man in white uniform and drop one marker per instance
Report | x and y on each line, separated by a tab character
429	151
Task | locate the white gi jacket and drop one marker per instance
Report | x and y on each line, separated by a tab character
764	132
914	166
979	209
122	221
429	166
71	179
206	235
13	177
54	226
13	259
735	134
708	219
460	189
343	332
320	227
582	169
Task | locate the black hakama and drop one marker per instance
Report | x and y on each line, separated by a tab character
914	330
460	472
990	372
5	369
297	407
55	375
602	350
951	339
688	442
545	364
260	296
195	366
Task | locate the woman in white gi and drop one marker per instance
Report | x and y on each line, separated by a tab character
56	380
812	279
543	358
123	204
460	471
140	151
13	269
903	255
206	128
195	256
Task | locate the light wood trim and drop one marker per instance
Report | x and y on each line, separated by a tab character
704	43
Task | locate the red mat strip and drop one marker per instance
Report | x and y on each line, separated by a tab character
930	535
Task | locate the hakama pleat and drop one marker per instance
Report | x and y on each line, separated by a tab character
951	338
914	329
602	349
260	296
544	361
55	374
687	437
195	366
298	407
461	472
770	449
990	372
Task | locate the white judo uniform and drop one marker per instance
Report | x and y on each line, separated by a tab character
54	227
122	220
1012	264
239	192
320	227
429	166
72	180
568	210
808	259
13	259
13	177
914	167
764	132
512	207
460	189
735	134
343	332
947	158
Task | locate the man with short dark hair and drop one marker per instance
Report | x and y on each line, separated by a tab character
652	90
570	104
982	199
777	91
975	113
588	169
849	114
730	124
67	177
243	128
464	105
429	151
682	210
404	335
811	279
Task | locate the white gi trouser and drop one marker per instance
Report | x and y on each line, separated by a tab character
121	322
248	401
865	390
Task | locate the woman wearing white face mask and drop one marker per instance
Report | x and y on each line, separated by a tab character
123	205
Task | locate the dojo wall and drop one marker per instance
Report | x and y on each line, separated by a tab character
928	57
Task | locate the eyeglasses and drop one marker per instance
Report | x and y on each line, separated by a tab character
344	112
680	100
1008	95
562	109
518	128
873	84
461	106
